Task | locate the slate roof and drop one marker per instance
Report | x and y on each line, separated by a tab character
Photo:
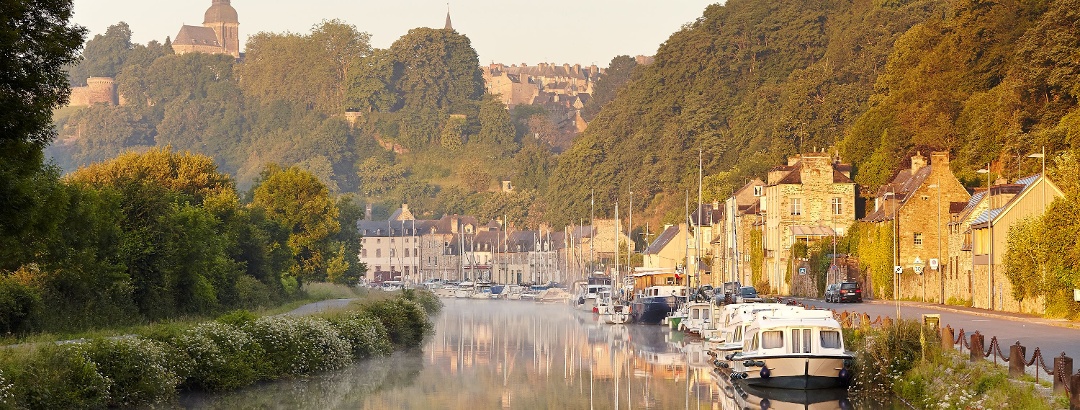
902	185
661	241
705	215
195	35
794	174
393	228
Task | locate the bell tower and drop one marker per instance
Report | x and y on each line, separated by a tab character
222	18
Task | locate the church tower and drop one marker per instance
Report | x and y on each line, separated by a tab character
222	18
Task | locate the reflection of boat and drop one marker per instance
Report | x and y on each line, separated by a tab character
657	294
737	395
792	350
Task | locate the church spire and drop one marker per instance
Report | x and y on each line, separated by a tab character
448	25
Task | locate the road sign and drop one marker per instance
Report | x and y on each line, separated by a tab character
918	261
918	269
802	271
934	263
898	269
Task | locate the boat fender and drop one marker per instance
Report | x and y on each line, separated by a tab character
845	374
765	373
766	404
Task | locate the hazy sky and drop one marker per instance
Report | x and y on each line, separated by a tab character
508	31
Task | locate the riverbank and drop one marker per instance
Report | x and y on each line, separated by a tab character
897	358
236	350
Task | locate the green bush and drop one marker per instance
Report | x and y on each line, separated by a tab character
140	369
222	356
238	318
425	298
59	377
252	294
950	381
406	321
299	345
18	302
365	332
883	356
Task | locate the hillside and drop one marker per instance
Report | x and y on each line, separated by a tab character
751	82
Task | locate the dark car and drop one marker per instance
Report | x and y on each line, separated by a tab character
849	292
832	293
747	294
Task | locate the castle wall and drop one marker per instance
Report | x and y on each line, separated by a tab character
98	90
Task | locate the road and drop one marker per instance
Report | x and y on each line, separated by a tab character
1052	337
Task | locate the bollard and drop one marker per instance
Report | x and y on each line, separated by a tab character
947	338
1016	360
1063	366
976	347
1074	396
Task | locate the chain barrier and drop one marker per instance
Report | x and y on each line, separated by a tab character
996	347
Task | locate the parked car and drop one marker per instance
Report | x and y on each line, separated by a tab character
747	294
832	293
849	292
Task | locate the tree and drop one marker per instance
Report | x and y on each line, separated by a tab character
618	73
104	55
36	42
495	124
297	199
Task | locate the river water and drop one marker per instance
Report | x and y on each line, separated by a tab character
523	355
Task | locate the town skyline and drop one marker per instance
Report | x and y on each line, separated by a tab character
593	34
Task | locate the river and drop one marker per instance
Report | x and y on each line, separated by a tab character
523	355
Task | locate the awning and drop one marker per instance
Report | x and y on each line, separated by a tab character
811	231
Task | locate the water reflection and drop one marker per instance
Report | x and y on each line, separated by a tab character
522	355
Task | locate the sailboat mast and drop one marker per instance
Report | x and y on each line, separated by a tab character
617	229
697	223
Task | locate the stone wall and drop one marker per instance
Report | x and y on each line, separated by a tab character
98	90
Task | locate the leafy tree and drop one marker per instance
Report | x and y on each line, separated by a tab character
36	42
301	203
104	55
451	136
495	123
617	74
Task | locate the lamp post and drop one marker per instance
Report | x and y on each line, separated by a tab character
990	247
896	275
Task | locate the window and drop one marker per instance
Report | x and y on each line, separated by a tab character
406	252
378	268
364	253
391	252
772	339
378	240
837	206
918	239
378	253
796	206
800	340
757	190
830	339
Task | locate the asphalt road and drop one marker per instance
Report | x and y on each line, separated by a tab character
1052	337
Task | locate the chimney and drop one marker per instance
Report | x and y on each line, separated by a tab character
940	158
917	162
367	211
791	161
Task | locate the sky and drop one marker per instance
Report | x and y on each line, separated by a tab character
502	31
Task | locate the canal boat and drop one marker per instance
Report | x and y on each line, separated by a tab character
733	320
464	290
699	317
792	349
481	290
657	293
587	294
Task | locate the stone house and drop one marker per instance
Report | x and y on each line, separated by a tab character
392	248
915	205
810	198
669	250
957	269
1008	204
705	237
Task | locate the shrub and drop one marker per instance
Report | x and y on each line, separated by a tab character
365	332
6	395
405	321
238	318
18	302
222	356
949	381
140	369
883	356
60	377
252	294
425	298
299	345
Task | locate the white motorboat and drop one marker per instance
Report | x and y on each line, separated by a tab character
792	349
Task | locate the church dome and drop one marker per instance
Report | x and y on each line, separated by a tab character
221	12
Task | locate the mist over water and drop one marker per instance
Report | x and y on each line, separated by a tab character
516	355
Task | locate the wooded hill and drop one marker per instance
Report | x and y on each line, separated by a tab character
746	84
752	82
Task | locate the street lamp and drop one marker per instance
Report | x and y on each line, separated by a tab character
990	248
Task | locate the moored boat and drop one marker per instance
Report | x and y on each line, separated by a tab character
792	349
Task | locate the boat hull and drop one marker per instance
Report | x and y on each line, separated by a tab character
793	372
652	310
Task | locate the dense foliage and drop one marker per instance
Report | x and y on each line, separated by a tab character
233	352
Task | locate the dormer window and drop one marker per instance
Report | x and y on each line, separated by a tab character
758	190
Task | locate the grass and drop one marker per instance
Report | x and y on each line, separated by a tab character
313	292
